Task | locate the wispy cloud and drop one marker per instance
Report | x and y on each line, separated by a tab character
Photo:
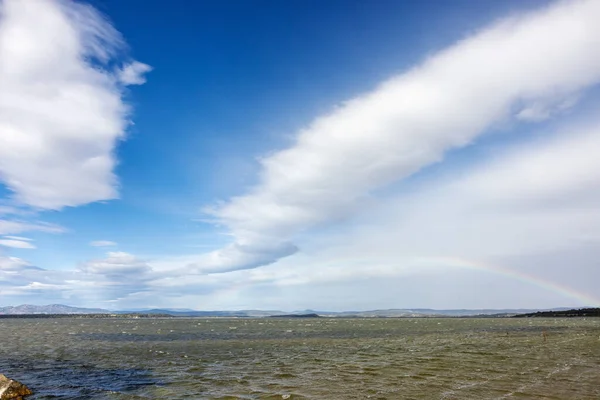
8	227
17	244
533	198
18	238
134	73
118	275
61	102
15	264
116	264
102	243
7	210
526	67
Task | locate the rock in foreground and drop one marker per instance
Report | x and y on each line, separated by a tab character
11	389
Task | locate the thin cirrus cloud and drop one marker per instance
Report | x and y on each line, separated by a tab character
117	275
14	264
8	227
116	263
16	244
61	106
564	166
18	238
102	243
529	67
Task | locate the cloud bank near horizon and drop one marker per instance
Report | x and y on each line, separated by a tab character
528	67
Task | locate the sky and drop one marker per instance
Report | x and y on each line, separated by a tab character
325	155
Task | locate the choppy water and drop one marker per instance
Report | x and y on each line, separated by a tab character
303	358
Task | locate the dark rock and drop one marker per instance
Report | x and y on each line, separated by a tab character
11	389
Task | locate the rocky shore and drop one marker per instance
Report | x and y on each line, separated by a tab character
13	390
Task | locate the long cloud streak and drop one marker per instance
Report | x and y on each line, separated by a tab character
529	67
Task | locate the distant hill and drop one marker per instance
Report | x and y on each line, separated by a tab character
49	309
59	309
427	312
192	313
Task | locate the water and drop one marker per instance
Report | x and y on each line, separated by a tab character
303	358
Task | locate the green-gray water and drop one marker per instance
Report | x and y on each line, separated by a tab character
303	358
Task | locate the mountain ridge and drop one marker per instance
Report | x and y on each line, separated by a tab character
56	309
49	309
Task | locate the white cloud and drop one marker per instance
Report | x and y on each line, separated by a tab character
102	243
17	244
242	256
133	74
529	66
8	227
18	238
61	110
4	210
13	264
117	276
531	208
565	164
117	264
15	273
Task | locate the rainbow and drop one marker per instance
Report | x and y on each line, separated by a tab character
564	290
584	299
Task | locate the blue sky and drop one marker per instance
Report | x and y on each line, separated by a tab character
299	154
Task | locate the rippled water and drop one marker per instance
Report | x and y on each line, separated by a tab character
303	358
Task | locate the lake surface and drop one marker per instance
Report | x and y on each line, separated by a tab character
193	358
